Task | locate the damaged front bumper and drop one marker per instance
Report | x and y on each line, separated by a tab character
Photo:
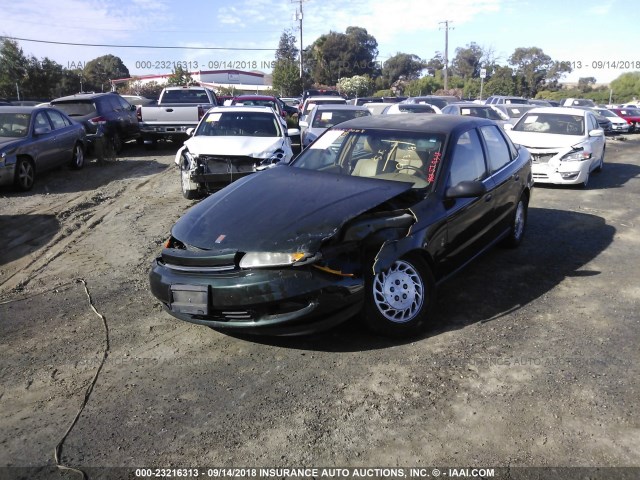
278	301
548	167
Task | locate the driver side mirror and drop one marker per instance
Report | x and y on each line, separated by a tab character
466	189
41	130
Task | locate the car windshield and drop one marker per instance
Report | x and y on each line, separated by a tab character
415	108
388	155
329	118
254	101
14	125
76	109
607	113
239	124
555	123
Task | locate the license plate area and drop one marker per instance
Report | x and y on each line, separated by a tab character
190	299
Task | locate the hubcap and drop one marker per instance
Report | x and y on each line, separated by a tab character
25	174
79	156
518	224
399	292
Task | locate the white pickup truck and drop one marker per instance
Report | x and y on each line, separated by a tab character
178	109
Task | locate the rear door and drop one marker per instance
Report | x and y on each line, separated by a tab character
65	136
45	146
469	220
500	154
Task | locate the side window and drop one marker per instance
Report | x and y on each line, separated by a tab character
468	159
497	148
112	104
41	121
593	123
124	105
57	120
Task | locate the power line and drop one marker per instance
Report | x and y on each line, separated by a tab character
136	46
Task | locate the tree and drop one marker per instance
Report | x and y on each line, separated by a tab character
467	61
500	82
13	68
531	67
99	72
286	71
585	84
626	87
424	86
436	64
403	66
356	86
336	55
180	77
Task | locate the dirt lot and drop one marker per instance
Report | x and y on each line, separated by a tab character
534	360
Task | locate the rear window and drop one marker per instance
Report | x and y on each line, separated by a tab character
78	108
329	118
185	96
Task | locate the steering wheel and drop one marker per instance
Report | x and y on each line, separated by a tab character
420	173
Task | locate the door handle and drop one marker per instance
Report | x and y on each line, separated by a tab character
516	177
169	109
488	197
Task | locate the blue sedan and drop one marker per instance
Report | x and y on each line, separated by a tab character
35	139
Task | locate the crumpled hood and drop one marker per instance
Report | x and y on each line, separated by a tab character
241	146
283	209
545	140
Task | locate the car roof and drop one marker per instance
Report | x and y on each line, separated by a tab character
328	98
83	96
242	108
559	110
417	123
340	106
255	97
18	109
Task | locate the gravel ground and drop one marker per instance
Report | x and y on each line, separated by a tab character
533	360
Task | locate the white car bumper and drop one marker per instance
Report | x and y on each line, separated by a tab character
567	173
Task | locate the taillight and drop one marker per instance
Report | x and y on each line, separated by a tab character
139	113
98	120
201	112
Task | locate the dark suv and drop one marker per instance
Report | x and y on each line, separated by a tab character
105	114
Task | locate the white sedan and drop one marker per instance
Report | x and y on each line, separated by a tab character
566	144
229	143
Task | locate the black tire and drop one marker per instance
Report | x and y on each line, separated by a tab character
585	183
77	159
25	175
518	223
116	142
399	301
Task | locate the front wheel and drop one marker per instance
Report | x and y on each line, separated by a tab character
400	299
188	191
25	174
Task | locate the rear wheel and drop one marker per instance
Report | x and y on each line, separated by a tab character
77	160
400	299
116	142
25	175
518	223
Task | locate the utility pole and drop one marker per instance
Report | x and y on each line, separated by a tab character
299	17
446	51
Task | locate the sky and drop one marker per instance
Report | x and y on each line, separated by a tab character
601	37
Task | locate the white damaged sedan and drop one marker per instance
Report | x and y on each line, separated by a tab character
566	144
229	143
